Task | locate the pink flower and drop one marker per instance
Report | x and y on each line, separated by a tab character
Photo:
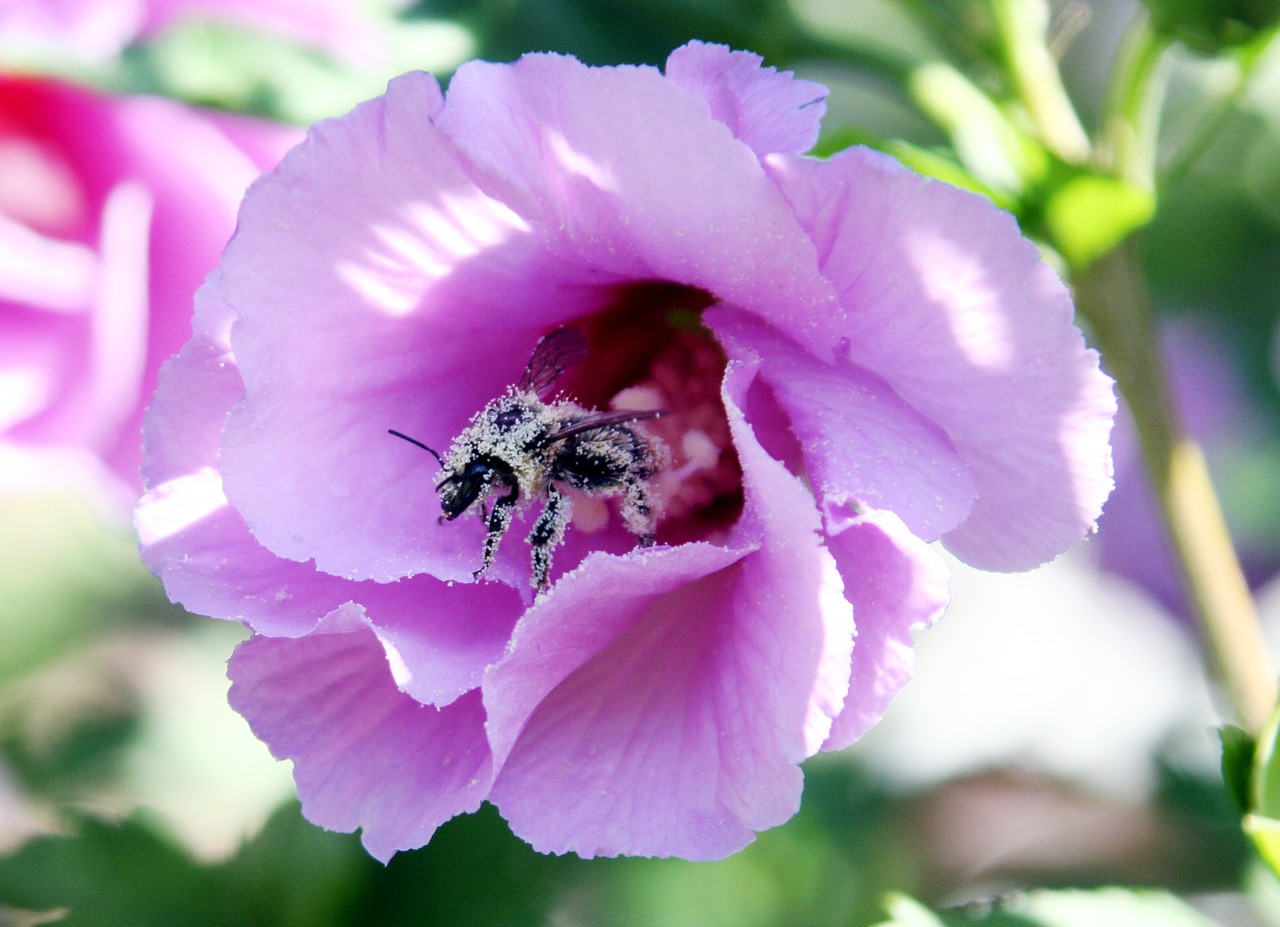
100	29
112	211
855	361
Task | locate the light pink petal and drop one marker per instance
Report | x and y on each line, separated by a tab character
422	299
620	171
92	29
210	563
897	584
440	637
672	692
859	440
958	313
183	424
794	573
620	708
767	110
365	754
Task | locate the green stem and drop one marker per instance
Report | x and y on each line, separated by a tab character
1113	296
1131	120
1114	299
1023	26
1210	126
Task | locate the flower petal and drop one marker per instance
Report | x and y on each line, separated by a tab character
442	636
408	328
957	312
767	110
365	754
860	441
621	171
897	584
675	717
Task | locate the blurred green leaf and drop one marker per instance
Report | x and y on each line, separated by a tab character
1238	747
73	574
1265	797
110	875
989	145
1090	214
590	29
293	874
1211	26
1107	907
827	867
250	71
1265	834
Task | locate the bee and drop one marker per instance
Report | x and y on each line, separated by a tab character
527	445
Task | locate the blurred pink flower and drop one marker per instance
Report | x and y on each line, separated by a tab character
855	361
100	29
112	211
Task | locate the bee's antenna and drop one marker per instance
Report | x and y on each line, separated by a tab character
392	431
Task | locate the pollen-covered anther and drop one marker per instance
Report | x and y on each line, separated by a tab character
684	381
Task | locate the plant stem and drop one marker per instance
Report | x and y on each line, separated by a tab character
1112	296
1131	119
1023	26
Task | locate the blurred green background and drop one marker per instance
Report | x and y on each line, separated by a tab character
1059	731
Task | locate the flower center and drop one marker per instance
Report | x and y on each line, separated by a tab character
649	351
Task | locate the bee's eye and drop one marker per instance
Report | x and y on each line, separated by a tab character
459	490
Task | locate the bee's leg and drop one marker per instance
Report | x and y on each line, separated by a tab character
499	521
638	514
548	532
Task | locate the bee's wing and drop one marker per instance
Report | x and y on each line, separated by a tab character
562	348
601	420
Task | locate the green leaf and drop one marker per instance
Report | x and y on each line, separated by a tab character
1238	747
990	146
1090	214
1266	770
1265	834
110	875
1210	26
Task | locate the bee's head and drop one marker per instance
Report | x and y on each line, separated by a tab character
459	489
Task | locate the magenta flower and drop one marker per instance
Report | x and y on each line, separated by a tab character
854	361
112	211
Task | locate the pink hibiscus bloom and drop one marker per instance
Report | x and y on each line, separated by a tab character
853	361
112	212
